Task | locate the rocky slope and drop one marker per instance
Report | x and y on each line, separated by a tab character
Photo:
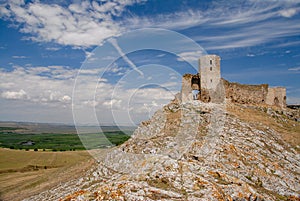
195	151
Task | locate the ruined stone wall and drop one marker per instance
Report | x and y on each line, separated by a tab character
216	95
276	96
186	89
246	94
214	89
189	82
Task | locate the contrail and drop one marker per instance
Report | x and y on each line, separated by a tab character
114	42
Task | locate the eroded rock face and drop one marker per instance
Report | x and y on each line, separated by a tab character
192	151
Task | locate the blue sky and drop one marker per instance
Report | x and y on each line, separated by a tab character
43	44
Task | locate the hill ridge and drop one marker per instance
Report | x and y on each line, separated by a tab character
228	158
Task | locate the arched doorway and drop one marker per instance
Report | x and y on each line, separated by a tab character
276	101
195	83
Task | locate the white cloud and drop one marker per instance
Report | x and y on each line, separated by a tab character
176	20
51	87
95	71
52	48
288	44
14	94
248	36
288	12
64	98
112	103
88	23
252	24
295	69
38	84
19	57
219	13
189	56
161	55
80	24
88	55
90	103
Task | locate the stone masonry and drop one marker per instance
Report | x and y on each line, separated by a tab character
276	96
215	89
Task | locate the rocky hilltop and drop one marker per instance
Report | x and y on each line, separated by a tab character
198	151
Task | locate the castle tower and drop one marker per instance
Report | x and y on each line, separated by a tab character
210	74
207	81
276	96
212	89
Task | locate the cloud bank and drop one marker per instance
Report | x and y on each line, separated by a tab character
88	23
51	87
83	24
79	24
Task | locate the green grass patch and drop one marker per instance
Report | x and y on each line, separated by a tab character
61	142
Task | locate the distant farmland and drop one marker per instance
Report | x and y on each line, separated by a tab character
35	157
25	173
22	138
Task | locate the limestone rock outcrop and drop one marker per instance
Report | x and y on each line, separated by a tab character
192	151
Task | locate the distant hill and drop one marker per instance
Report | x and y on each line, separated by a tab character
31	127
293	106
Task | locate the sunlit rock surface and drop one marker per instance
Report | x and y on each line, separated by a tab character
192	151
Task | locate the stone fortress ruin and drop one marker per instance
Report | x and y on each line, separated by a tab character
208	86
